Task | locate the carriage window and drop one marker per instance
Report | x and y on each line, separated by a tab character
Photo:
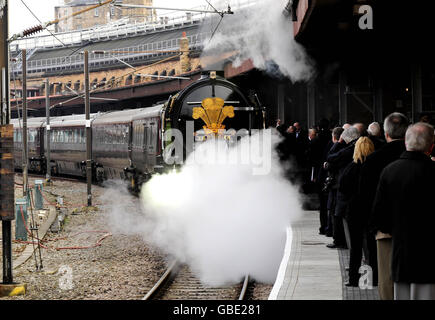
17	136
125	134
75	138
31	136
117	135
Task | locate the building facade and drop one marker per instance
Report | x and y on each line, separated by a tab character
99	16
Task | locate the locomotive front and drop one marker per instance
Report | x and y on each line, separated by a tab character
211	108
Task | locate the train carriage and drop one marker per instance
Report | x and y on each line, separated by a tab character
129	144
147	139
35	143
68	144
125	142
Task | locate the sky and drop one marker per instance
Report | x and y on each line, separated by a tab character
20	18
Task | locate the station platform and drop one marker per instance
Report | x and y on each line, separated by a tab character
311	271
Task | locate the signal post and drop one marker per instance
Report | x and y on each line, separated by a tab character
7	198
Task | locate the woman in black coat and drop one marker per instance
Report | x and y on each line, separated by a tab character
349	203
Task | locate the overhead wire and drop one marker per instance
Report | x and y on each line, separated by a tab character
73	51
219	23
98	84
46	28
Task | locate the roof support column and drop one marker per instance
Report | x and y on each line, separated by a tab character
311	103
342	98
417	95
378	112
281	102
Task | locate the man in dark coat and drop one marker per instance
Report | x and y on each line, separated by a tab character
300	149
336	163
403	208
395	126
325	179
314	155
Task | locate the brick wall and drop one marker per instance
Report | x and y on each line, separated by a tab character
76	81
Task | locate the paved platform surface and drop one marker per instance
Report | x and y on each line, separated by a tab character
353	293
311	271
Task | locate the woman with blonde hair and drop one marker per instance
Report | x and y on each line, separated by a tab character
350	204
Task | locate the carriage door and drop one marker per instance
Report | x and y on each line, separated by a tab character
146	134
152	144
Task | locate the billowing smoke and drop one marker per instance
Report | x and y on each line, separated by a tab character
263	34
223	219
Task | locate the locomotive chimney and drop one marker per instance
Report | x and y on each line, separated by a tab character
184	58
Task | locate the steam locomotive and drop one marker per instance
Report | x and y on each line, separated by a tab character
133	144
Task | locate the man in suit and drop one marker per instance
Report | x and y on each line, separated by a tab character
374	132
403	207
281	127
379	244
361	128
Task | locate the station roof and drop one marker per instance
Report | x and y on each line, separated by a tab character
330	30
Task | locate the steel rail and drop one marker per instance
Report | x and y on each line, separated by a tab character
162	281
172	271
244	288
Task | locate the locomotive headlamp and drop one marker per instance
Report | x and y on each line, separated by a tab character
213	75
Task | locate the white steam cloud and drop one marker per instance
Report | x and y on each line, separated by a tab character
263	34
219	218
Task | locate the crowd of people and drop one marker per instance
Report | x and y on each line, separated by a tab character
375	190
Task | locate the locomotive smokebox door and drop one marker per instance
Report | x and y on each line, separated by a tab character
7	212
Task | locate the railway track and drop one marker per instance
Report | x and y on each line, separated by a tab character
178	282
54	178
